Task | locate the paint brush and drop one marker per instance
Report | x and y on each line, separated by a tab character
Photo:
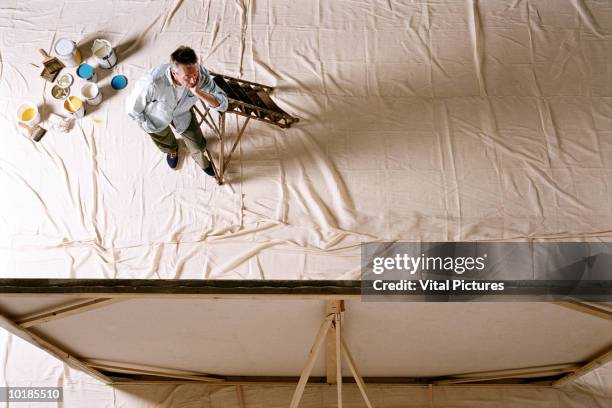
52	66
36	132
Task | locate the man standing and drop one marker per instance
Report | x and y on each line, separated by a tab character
165	96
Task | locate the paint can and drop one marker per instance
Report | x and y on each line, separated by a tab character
75	106
65	80
87	72
28	114
60	93
119	82
91	93
105	54
67	52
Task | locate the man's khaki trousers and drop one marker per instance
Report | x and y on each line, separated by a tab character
194	139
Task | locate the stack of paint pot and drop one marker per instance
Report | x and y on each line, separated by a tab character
90	92
68	52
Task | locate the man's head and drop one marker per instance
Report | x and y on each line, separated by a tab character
185	68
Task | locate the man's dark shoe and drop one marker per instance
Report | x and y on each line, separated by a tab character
210	170
172	159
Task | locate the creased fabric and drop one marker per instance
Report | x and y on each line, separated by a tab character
419	120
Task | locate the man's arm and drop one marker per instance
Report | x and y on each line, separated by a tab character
206	97
137	100
210	92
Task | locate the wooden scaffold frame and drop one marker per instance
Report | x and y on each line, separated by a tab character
81	296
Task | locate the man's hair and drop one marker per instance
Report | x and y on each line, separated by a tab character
183	55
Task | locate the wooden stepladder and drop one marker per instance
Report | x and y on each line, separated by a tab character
334	322
247	99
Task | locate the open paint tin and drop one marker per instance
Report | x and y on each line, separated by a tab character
59	92
75	106
91	94
105	54
28	114
65	80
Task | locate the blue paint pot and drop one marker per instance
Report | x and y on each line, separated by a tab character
86	72
119	82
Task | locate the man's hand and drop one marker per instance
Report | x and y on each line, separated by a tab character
206	97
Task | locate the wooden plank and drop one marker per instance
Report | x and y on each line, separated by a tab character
509	372
353	367
60	312
55	351
222	83
331	308
221	147
240	397
229	155
255	99
312	355
270	104
153	373
502	376
254	84
215	288
242	95
338	333
595	363
270	116
603	312
321	382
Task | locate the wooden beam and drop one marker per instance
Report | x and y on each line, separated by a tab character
240	396
214	74
320	337
182	288
338	332
221	147
503	376
331	308
586	368
46	345
353	368
592	309
399	382
153	373
526	372
59	312
229	156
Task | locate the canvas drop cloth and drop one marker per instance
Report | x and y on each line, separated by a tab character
419	120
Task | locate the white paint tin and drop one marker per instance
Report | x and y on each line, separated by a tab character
91	94
104	53
67	52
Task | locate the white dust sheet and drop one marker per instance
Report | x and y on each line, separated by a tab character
419	120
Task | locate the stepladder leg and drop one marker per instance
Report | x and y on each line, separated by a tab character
221	147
